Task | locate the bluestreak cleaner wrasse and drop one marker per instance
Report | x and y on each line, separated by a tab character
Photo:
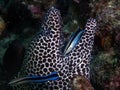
73	41
44	54
34	79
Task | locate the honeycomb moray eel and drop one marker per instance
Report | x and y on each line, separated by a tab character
44	55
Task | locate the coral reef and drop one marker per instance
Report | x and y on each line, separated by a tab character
81	83
106	60
104	67
2	25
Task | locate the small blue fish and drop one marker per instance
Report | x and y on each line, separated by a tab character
34	79
73	41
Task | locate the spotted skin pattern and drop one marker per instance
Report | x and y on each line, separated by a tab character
44	54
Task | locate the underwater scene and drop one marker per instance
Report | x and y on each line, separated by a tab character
59	44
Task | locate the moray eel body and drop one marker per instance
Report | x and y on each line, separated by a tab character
44	55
